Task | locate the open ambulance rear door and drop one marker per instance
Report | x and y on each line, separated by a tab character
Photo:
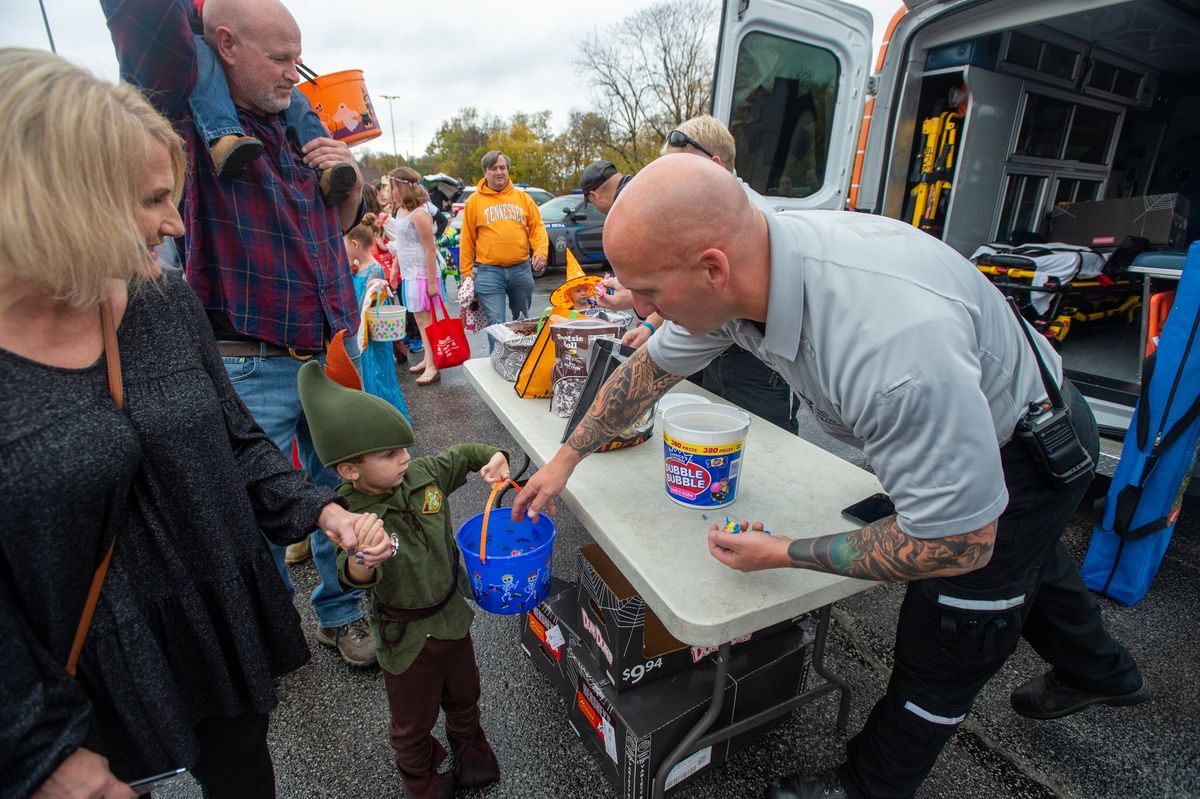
791	78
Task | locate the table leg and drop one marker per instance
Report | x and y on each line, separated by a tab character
697	739
687	745
828	676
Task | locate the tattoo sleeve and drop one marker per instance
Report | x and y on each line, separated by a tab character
620	401
882	551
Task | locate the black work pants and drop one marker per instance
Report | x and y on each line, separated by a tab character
955	633
234	760
744	380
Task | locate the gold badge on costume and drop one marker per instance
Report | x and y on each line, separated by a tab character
433	501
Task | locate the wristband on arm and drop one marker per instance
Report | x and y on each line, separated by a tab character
648	326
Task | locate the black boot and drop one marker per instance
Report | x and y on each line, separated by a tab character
796	786
1046	697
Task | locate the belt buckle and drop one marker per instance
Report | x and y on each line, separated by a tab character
297	356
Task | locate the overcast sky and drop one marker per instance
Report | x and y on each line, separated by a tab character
437	56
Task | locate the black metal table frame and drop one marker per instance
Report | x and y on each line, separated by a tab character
700	737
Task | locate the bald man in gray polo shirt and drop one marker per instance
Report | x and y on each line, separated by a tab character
899	346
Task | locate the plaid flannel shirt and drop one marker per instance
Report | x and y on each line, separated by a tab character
262	249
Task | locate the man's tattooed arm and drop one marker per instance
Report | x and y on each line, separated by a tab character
621	400
882	551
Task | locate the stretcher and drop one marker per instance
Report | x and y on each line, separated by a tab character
1057	285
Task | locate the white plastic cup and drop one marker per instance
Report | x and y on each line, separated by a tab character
703	446
668	401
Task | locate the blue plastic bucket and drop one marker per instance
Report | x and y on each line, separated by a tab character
514	575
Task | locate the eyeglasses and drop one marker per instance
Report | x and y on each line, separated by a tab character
677	138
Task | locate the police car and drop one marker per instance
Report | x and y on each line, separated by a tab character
571	225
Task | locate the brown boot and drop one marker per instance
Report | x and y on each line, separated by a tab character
477	774
232	154
336	183
353	642
298	552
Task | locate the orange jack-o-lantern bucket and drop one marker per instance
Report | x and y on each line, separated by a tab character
341	101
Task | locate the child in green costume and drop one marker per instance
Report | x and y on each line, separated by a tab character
418	611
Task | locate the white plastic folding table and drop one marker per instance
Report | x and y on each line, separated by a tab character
793	486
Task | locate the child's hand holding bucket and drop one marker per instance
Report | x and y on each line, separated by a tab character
750	548
496	470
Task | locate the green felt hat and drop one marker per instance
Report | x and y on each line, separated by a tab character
346	423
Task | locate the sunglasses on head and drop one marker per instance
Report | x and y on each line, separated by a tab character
677	138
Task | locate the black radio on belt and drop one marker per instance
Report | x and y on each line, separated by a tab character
1047	432
1050	437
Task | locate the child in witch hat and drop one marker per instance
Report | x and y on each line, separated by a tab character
577	292
418	611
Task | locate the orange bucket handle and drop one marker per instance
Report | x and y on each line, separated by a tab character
487	512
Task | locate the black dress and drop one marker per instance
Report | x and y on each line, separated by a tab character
194	621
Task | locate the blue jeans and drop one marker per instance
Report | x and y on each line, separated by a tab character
494	283
213	111
268	387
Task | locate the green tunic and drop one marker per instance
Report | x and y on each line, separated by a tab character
419	574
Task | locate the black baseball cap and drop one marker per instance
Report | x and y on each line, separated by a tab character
594	175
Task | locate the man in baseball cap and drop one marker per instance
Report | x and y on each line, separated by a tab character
601	183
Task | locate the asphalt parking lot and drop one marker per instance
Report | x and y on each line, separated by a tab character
328	735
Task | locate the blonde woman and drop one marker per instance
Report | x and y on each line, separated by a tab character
164	468
411	232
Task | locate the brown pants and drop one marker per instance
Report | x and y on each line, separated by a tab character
443	677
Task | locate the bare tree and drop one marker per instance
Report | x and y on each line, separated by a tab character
676	49
651	71
622	86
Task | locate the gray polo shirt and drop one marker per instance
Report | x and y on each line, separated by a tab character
900	347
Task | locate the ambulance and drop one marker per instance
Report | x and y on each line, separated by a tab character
980	121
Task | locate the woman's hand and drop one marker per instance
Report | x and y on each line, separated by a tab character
433	287
496	470
83	775
374	545
339	526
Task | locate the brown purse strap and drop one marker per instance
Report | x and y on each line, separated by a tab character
113	362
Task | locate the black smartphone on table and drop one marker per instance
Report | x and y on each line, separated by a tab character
871	509
147	784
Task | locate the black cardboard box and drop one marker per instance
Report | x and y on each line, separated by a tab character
1161	218
625	637
549	629
632	733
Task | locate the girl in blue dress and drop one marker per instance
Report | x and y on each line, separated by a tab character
378	358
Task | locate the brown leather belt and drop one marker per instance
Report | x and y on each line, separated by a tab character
393	620
261	349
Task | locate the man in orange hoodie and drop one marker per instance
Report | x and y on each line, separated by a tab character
502	240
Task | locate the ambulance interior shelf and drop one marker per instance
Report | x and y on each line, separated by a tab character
941	109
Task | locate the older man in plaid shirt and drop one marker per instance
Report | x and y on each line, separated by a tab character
264	253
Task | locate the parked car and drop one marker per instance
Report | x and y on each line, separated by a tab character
456	208
539	195
570	225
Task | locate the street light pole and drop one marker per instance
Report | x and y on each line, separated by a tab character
412	137
392	118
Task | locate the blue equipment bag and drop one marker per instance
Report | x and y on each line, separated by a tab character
1136	519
